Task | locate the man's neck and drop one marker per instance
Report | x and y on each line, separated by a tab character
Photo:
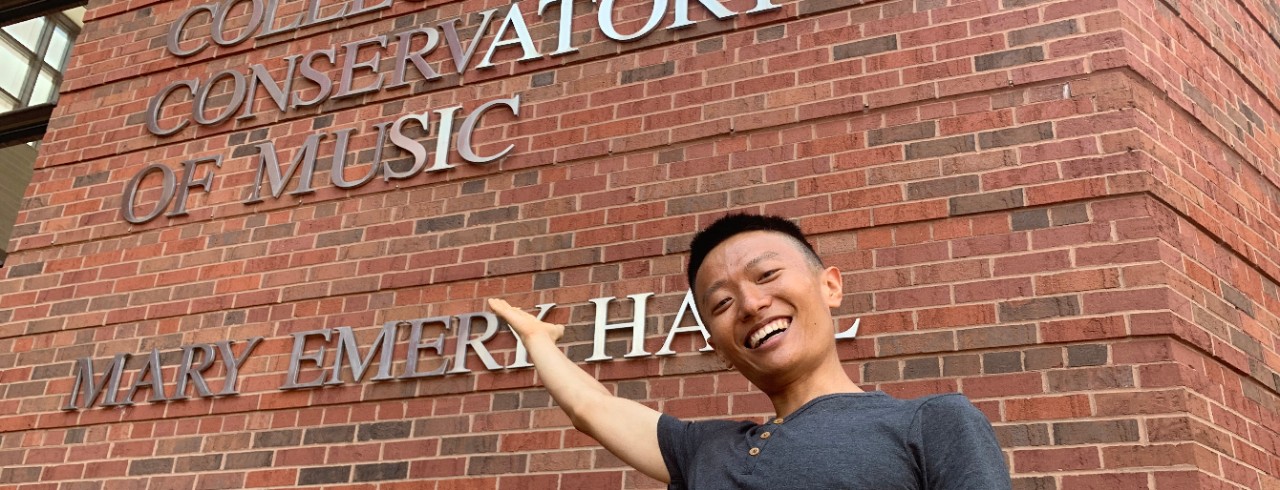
828	379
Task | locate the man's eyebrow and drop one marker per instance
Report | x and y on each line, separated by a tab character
720	283
763	257
711	289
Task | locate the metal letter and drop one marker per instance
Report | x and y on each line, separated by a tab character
188	369
408	144
444	137
296	357
605	18
349	66
347	348
450	28
564	32
689	306
416	344
465	341
279	95
469	128
515	19
202	97
232	363
267	159
377	156
682	12
154	107
150	369
338	168
131	190
320	78
188	169
269	23
84	383
403	56
851	332
220	18
175	32
636	325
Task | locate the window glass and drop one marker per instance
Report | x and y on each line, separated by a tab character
27	32
58	44
43	91
15	69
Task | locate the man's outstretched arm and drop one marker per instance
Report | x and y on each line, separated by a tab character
627	429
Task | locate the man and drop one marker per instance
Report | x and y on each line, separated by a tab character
766	300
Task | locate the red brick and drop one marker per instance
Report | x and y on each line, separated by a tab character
1047	408
1054	460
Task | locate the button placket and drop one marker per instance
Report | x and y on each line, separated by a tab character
764	436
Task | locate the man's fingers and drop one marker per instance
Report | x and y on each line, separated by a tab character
499	306
508	312
523	322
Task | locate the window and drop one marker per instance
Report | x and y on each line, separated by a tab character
35	42
33	53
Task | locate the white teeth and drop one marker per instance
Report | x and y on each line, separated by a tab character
759	335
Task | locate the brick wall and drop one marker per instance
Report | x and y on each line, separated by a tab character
1066	210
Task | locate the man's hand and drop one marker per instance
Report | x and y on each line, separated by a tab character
525	325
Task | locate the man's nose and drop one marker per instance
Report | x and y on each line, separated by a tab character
754	300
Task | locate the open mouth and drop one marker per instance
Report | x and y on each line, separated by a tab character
762	334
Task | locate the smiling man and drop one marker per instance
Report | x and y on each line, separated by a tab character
766	299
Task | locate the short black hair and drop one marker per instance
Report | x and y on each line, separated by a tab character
728	226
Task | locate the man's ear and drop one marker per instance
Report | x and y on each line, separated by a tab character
832	286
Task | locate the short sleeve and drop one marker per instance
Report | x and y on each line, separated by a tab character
958	446
675	443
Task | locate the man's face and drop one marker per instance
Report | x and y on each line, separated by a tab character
767	307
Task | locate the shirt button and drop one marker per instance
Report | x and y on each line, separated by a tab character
754	451
777	420
765	435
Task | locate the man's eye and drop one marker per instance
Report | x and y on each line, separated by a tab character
769	274
720	305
